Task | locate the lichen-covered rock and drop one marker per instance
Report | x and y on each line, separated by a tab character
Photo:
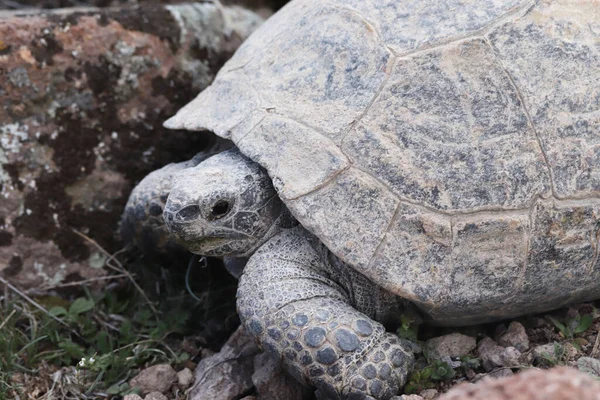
555	384
157	378
84	94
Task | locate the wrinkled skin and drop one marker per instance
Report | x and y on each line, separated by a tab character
299	301
216	211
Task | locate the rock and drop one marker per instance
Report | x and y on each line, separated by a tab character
493	356
273	383
157	378
570	351
132	397
555	384
510	357
515	336
250	398
185	378
226	375
429	394
501	373
547	354
407	397
452	345
84	93
155	396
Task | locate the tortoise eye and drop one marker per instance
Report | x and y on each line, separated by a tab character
220	209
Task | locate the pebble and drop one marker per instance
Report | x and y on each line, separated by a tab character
157	378
132	397
452	345
492	355
155	396
429	394
185	378
515	336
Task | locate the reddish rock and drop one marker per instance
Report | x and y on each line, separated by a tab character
555	384
84	93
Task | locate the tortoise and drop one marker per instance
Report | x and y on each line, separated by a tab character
445	154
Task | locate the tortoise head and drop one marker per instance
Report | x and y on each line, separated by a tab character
224	206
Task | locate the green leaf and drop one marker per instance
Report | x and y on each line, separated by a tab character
73	349
102	342
117	388
442	371
584	323
426	373
561	327
183	356
80	306
58	311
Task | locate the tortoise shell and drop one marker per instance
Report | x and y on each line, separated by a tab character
449	151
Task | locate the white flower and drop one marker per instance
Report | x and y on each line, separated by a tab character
82	362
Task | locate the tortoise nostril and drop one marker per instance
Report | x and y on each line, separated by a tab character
188	213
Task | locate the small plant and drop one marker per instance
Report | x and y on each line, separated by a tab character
468	362
419	380
427	377
409	328
554	359
442	371
572	326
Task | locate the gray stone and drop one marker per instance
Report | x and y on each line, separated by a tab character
157	378
515	336
452	345
493	356
132	397
227	374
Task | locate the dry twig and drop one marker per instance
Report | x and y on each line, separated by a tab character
38	306
119	268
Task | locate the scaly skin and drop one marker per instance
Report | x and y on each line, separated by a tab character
301	303
300	307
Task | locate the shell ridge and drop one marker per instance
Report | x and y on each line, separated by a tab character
527	114
520	11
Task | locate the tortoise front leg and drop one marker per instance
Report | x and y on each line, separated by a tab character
289	302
